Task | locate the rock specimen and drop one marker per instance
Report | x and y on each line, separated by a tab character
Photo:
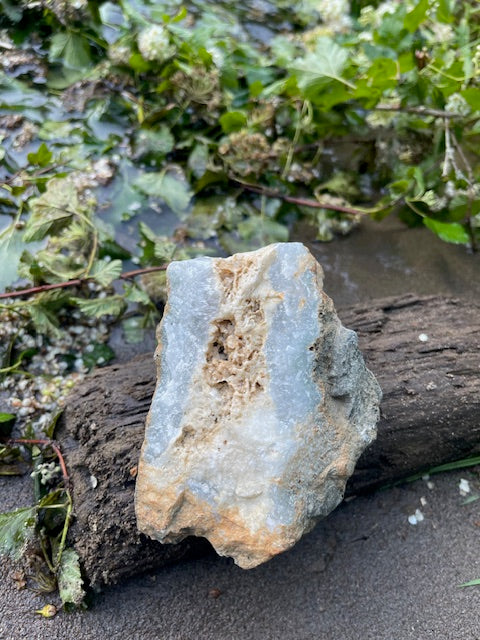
262	407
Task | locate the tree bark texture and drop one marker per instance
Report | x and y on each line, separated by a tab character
423	351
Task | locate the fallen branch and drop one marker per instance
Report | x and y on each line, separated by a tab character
424	352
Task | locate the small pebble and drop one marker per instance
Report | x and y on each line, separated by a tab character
416	517
464	487
423	337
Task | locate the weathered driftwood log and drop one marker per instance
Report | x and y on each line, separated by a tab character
424	352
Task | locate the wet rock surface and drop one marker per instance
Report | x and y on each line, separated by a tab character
263	405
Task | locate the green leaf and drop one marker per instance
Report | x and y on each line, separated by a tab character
17	528
98	307
321	66
472	583
49	430
472	97
171	187
232	121
164	250
135	294
41	157
12	247
52	210
7	421
106	271
69	577
448	231
444	12
198	160
155	143
71	49
100	355
138	64
399	187
44	320
414	18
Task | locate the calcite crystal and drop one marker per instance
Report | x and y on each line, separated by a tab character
262	407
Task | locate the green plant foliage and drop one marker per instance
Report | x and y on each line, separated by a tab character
105	272
70	583
17	529
98	307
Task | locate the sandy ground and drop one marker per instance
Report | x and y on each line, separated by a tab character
364	573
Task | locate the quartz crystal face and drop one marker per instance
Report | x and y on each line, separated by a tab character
262	407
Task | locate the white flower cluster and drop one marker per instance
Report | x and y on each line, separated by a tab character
457	104
335	14
47	471
154	43
441	33
38	395
119	54
371	17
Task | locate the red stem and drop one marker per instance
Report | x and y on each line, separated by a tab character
76	283
47	443
305	202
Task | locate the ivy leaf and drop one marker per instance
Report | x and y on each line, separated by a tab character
414	18
71	49
448	231
52	210
17	528
198	160
232	121
98	307
472	96
173	189
105	271
69	578
444	13
157	143
41	157
321	66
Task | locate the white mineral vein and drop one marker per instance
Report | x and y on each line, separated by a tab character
262	407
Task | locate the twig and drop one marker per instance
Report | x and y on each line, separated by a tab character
304	202
77	282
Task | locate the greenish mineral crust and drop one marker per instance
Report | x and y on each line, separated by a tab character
262	407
